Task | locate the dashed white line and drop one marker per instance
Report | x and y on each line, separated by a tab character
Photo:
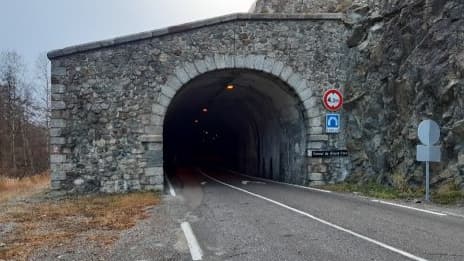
171	188
195	249
386	246
281	183
407	207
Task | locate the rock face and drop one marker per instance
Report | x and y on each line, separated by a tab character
305	6
409	67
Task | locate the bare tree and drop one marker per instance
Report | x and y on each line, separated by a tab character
11	73
24	114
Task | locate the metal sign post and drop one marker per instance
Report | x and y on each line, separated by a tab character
429	135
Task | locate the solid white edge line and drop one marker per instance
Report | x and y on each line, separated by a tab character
171	188
327	191
195	249
278	182
407	207
391	248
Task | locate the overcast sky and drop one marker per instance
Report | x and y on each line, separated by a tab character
34	26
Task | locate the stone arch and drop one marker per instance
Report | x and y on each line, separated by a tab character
189	71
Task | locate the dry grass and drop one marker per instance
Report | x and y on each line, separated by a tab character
51	223
14	188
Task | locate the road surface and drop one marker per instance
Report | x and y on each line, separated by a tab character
234	217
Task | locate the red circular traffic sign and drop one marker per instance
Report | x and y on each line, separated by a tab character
333	100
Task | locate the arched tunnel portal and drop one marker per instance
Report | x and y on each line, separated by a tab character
239	119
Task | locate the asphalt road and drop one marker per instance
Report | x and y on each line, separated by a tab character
241	218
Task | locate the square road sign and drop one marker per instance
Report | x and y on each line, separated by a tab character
332	123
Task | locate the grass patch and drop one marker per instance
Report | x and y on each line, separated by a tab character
370	190
54	222
12	188
444	197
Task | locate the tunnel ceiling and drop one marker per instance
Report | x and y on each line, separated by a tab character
253	90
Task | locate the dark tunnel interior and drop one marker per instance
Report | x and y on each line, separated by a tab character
242	120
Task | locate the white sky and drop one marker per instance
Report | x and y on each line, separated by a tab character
34	26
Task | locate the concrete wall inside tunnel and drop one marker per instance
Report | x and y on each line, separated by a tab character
257	126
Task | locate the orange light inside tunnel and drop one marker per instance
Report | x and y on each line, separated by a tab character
230	87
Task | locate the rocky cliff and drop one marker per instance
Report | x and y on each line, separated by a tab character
408	65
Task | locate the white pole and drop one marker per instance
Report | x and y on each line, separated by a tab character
427	181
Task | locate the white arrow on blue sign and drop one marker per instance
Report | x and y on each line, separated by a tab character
332	123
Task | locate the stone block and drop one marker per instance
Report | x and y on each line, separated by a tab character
306	94
277	68
156	120
58	175
322	137
316	145
182	75
57	123
229	61
315	122
294	80
55	132
191	70
316	130
58	71
57	158
158	109
58	89
268	65
168	91
201	67
174	83
316	176
259	62
153	130
57	141
312	102
154	158
239	61
316	183
220	61
286	73
164	100
210	64
299	88
155	171
313	113
153	187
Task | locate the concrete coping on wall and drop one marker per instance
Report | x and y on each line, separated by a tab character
187	27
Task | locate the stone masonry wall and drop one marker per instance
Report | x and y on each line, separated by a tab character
108	103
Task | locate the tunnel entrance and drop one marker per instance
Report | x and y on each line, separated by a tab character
243	120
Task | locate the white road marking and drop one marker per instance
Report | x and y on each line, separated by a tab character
453	214
195	249
171	188
386	246
281	183
246	182
407	207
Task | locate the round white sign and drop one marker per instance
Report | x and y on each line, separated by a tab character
429	132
